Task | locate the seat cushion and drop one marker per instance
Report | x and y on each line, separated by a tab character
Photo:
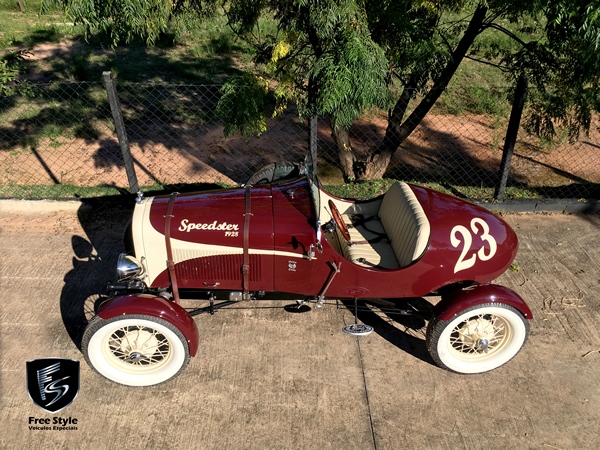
370	246
376	256
395	238
405	223
364	229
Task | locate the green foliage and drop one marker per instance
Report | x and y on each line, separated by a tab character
242	105
10	68
322	55
568	95
340	57
555	44
350	78
121	19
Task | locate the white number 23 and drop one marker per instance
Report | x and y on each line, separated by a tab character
467	240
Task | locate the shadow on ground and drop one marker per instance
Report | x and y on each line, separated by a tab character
104	222
405	332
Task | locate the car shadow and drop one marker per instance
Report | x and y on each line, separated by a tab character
405	332
104	221
94	262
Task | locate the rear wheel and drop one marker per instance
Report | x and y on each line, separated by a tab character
478	339
135	350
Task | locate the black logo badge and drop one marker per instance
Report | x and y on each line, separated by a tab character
52	383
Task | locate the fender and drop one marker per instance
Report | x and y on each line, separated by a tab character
458	301
151	305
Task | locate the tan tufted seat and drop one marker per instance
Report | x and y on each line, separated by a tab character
395	238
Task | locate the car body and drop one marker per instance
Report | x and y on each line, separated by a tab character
290	239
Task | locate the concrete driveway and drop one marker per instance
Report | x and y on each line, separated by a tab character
272	379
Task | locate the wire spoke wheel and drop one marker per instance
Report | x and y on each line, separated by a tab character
480	336
478	339
135	350
138	349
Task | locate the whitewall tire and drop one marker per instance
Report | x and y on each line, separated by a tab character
478	339
135	350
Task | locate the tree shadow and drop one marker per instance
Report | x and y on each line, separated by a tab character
428	155
37	36
83	59
176	136
457	160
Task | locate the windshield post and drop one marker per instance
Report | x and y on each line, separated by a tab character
310	166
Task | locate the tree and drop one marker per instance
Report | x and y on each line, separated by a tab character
337	58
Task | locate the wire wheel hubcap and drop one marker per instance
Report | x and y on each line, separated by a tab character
480	337
137	349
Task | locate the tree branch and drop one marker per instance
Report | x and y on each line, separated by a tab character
396	133
497	13
446	42
498	66
509	34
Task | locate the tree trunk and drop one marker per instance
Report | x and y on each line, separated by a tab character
398	130
378	162
346	155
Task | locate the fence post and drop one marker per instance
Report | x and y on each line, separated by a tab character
115	108
511	135
312	141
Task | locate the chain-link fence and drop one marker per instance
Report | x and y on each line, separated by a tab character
62	143
49	143
462	153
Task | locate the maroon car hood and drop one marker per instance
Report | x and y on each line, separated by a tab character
454	222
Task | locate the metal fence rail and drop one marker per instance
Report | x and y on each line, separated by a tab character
63	143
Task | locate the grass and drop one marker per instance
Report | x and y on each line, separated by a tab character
371	189
359	191
475	89
29	28
69	191
58	191
208	55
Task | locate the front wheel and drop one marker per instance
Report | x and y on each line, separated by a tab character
478	339
135	350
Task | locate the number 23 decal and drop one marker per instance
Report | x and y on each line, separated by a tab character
467	240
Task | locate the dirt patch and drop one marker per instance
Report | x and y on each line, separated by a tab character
468	150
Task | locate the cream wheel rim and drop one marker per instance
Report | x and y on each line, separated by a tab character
480	337
137	349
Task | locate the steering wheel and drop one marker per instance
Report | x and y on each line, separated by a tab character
337	218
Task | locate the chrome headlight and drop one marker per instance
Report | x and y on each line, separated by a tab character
128	267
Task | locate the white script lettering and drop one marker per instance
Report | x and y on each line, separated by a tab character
187	226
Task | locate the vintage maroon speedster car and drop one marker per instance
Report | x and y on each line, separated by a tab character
278	239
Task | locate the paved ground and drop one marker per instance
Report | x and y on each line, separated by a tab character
272	379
